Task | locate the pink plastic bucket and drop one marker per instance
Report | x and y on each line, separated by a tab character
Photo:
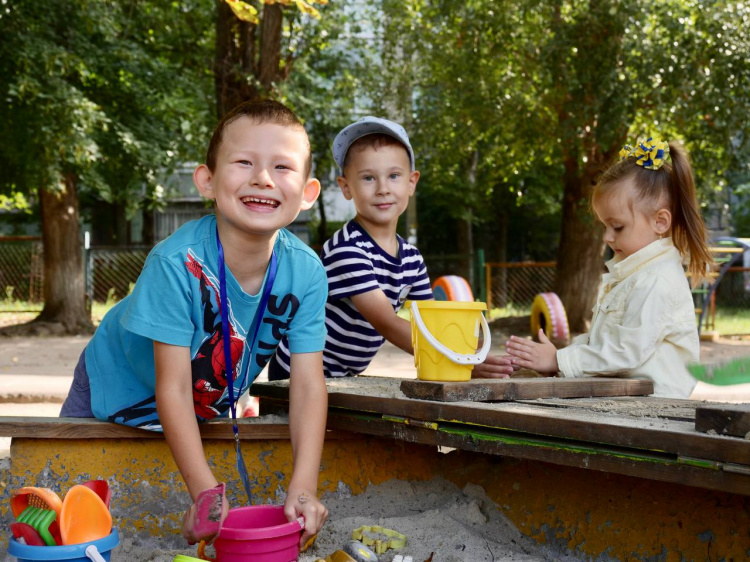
259	533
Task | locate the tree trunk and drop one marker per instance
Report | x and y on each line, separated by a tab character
147	231
64	286
243	70
579	257
270	45
323	224
501	250
465	249
233	60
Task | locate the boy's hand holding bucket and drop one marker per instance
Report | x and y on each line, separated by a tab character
306	505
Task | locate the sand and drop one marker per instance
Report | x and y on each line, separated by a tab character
438	519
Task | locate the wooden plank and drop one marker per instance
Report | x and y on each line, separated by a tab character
665	468
642	407
87	428
724	419
383	396
485	390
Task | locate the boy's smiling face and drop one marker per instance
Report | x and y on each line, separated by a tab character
259	182
380	182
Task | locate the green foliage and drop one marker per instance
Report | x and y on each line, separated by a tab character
512	104
16	201
109	91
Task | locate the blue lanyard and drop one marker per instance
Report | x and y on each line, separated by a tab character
260	311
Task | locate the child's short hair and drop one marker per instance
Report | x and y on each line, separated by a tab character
373	141
259	111
670	186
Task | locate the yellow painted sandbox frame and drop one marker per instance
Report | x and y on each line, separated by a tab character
587	513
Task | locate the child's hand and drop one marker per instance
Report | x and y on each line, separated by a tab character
207	529
301	503
541	357
494	367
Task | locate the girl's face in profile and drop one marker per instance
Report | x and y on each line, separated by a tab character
627	226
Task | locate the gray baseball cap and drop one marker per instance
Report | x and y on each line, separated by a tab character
368	126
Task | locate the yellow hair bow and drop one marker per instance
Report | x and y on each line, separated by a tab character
650	153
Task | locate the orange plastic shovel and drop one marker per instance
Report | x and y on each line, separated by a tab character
84	517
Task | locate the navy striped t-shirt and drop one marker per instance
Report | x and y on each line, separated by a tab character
355	264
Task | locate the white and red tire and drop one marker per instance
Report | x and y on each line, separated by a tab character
452	288
548	313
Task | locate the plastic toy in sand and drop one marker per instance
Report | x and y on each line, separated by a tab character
259	533
77	528
548	314
364	548
452	288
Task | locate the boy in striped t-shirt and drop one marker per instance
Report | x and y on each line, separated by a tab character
372	270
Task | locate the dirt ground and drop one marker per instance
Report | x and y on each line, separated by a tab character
39	369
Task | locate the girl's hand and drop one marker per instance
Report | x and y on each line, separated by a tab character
306	504
541	357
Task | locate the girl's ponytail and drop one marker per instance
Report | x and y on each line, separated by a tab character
688	228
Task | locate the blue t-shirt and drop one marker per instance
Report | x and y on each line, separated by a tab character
355	264
175	301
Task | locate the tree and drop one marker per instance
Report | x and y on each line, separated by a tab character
616	71
534	99
253	53
95	97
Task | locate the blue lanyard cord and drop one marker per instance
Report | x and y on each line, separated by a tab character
229	368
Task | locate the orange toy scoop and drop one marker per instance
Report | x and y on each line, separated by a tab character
43	498
84	517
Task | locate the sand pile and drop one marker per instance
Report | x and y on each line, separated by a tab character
436	516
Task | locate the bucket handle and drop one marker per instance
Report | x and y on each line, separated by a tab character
460	359
93	553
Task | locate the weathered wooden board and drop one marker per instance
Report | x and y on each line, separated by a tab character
642	464
88	428
724	419
487	390
639	407
380	395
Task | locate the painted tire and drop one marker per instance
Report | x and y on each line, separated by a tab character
548	313
452	288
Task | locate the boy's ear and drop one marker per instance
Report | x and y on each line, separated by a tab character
310	193
345	189
413	179
202	177
662	221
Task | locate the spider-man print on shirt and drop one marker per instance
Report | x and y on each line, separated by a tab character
209	382
208	365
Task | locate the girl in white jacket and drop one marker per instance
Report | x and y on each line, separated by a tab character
644	318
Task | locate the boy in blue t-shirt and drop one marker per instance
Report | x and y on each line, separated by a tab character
371	269
157	361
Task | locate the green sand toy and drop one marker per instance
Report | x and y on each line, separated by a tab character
724	373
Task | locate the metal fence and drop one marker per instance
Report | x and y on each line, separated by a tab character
21	268
110	271
516	284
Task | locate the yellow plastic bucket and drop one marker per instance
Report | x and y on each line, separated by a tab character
445	335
